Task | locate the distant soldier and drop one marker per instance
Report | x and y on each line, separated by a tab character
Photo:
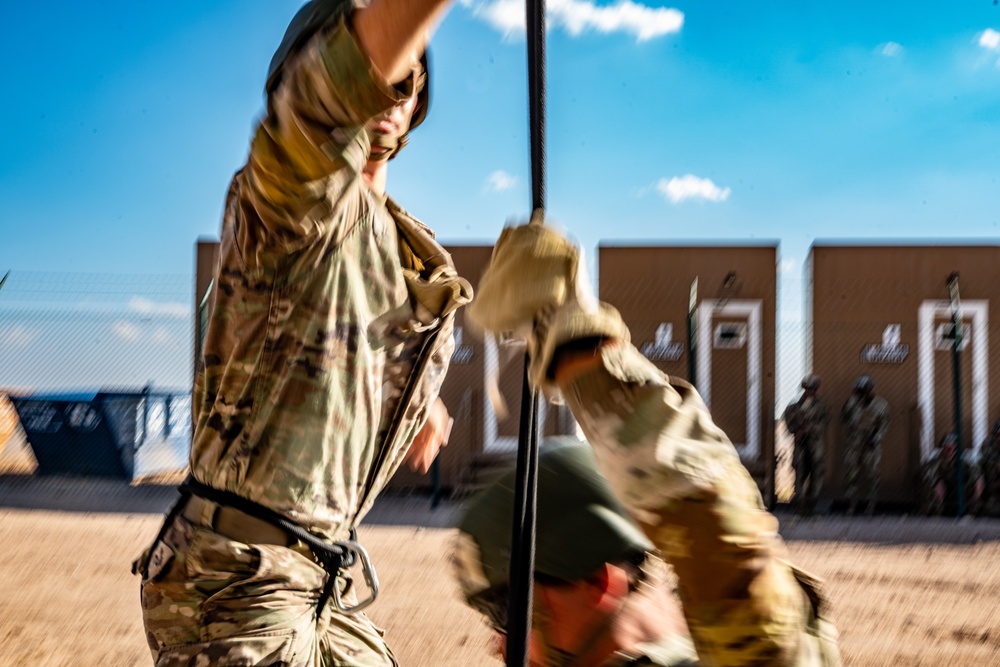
989	463
806	419
866	418
940	481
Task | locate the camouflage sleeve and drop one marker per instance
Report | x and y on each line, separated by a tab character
312	145
881	421
791	417
847	412
678	473
822	417
652	435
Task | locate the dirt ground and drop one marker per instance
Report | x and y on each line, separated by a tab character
906	591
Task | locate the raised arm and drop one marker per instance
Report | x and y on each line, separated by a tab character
393	33
312	144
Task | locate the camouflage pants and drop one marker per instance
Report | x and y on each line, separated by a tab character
810	468
991	496
212	602
939	492
862	463
678	473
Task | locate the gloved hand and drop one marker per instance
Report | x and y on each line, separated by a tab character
536	287
533	269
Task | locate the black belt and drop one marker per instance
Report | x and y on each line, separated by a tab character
332	556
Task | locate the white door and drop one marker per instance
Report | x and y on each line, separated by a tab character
729	370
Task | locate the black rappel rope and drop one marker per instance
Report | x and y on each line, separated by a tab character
522	557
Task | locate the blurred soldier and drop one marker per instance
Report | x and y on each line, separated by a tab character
600	593
666	460
940	480
989	463
806	420
333	315
866	418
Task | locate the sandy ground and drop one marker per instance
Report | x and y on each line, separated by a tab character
905	591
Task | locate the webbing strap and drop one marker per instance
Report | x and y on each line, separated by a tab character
522	559
332	556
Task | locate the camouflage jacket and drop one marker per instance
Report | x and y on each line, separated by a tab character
866	423
806	419
682	480
944	469
989	461
333	308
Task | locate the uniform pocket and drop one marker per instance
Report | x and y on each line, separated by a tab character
265	650
216	565
266	589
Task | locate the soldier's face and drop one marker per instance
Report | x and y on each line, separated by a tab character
394	123
555	623
564	617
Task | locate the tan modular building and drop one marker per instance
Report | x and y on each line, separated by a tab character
734	343
884	311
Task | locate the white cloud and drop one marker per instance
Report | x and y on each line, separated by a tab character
17	336
890	49
144	306
690	186
499	181
989	39
161	336
579	16
126	331
787	265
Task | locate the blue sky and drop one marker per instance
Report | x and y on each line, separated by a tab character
699	120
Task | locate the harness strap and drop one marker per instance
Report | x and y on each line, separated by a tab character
333	557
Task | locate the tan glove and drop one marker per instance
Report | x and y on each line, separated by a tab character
533	269
536	288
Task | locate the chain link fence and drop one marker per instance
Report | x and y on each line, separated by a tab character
88	336
747	342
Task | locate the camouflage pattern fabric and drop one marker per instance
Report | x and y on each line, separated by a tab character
806	419
210	601
866	427
682	479
989	462
942	469
331	304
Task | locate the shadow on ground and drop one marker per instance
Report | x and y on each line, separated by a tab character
889	529
96	495
115	496
84	494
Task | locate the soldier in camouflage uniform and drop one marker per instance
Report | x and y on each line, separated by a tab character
806	420
668	463
330	335
600	592
866	418
989	463
939	481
